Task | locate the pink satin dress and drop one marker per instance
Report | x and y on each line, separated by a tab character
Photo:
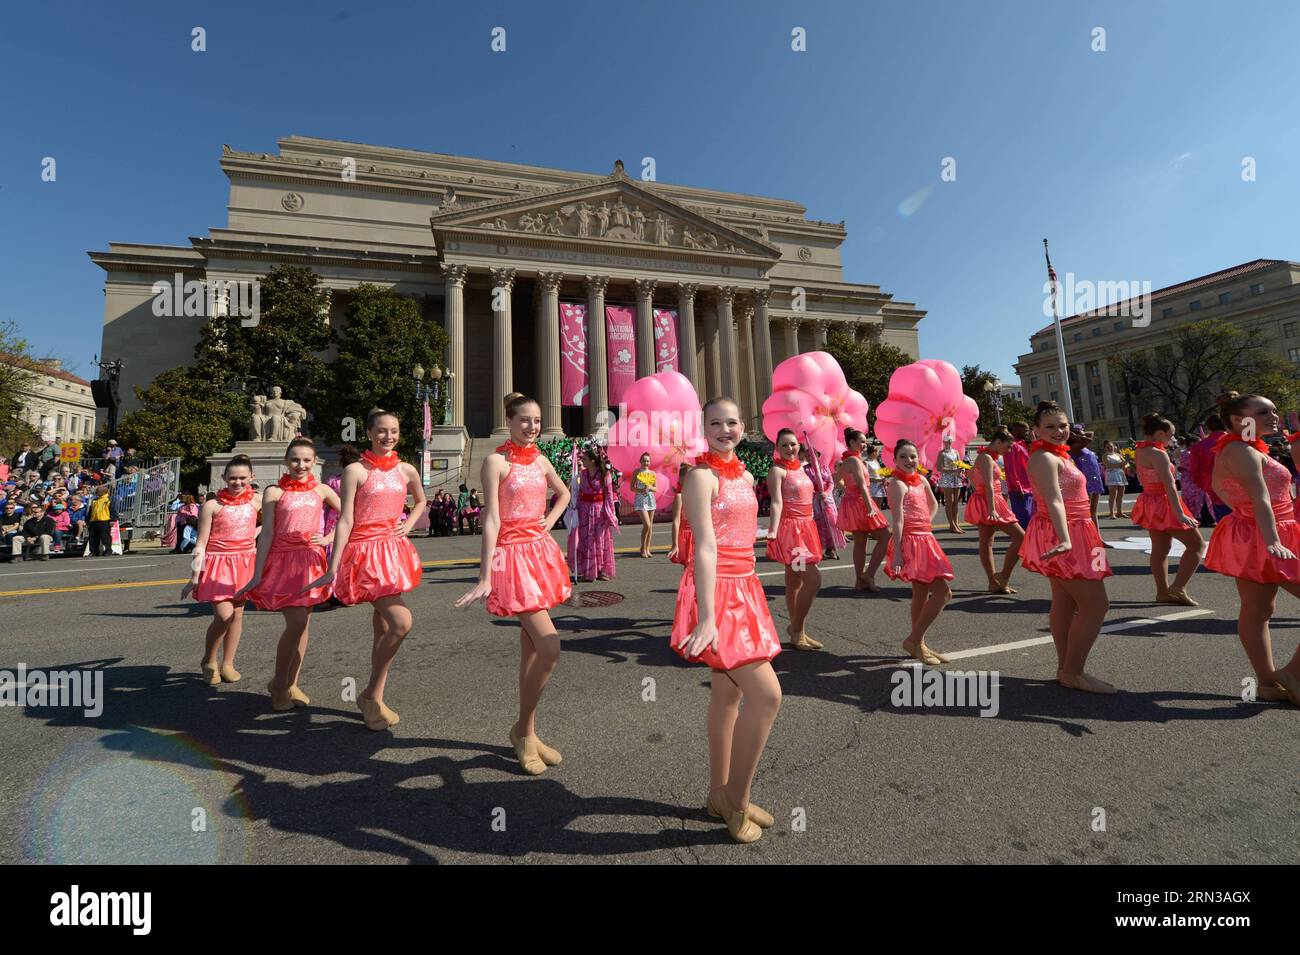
1151	510
231	553
857	514
377	562
684	536
977	508
529	572
1086	558
1237	547
294	561
923	559
796	534
746	633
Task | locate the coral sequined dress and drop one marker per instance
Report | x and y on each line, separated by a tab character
1086	558
377	562
923	559
1152	510
857	514
231	552
684	536
977	508
796	534
1237	548
294	561
746	633
529	572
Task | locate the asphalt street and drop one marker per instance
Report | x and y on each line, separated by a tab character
1177	768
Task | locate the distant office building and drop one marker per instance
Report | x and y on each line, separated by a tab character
57	403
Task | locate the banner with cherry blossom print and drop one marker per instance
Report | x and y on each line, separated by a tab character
620	344
573	354
665	323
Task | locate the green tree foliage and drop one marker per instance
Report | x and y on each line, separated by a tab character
182	416
386	336
974	384
15	362
867	366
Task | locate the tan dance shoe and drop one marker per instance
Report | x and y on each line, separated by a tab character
211	673
757	814
298	696
377	715
1084	682
280	700
526	752
549	754
741	828
229	674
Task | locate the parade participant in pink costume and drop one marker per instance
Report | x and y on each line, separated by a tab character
291	554
680	551
1162	512
859	515
792	536
1258	540
1063	544
825	512
721	619
522	572
374	560
990	511
597	518
223	563
914	555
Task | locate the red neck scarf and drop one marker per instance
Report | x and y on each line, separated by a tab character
793	465
1060	450
1151	444
851	454
1292	436
727	469
995	455
384	463
287	483
1259	444
911	480
517	454
231	500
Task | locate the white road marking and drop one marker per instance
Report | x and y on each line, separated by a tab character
96	566
1108	628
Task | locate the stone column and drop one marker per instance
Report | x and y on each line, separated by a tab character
748	362
819	334
712	351
728	354
645	327
454	322
791	337
503	378
763	363
597	366
686	331
548	344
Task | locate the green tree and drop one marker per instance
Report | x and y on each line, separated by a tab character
867	367
16	363
386	336
182	416
975	384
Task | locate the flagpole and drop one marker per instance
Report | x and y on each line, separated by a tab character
1068	404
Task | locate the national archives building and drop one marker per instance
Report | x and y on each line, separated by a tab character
564	285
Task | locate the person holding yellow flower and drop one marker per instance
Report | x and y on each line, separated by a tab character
950	483
644	483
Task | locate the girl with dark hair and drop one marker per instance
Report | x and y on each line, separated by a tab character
859	515
990	511
914	555
792	537
1161	511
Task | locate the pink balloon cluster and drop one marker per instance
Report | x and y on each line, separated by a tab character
663	420
811	397
925	403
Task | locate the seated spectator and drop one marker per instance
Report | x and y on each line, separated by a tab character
77	517
4	468
187	516
62	525
38	534
11	526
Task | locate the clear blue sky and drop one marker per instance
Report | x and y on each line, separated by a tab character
1129	160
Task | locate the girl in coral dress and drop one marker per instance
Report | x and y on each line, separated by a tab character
597	518
792	537
859	514
825	511
680	551
522	572
373	560
990	511
721	620
290	555
223	564
914	555
1161	511
1062	543
1258	541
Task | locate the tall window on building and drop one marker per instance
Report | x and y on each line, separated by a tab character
1194	305
1078	336
1101	410
1033	381
1051	380
58	428
1225	298
1294	354
1074	373
1288	329
1095	371
1055	396
1166	313
85	428
1096	390
1257	289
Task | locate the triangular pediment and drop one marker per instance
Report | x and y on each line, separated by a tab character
615	209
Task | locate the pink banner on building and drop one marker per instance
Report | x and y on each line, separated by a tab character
573	354
665	322
620	344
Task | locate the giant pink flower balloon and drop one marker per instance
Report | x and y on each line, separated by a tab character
811	397
663	420
925	403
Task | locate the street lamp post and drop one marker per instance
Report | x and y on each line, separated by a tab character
994	390
423	393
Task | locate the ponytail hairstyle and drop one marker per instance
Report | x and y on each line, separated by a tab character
238	461
516	400
377	413
299	442
348	454
783	432
900	445
1234	403
853	434
1215	423
1155	421
1046	408
1002	435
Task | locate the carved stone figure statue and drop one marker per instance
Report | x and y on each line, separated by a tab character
621	216
257	431
602	218
554	224
638	224
277	421
661	230
294	416
584	218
